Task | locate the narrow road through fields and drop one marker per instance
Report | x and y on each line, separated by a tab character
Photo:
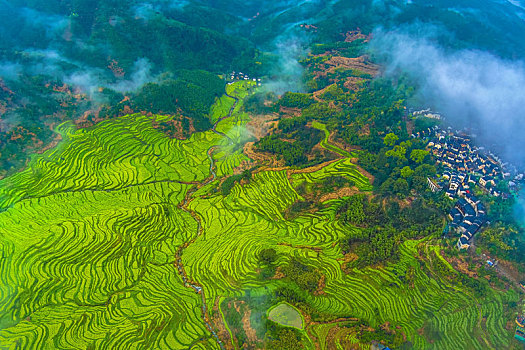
188	282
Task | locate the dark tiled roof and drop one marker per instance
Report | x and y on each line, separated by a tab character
469	210
464	225
469	218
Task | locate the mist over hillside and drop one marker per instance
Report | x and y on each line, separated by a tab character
107	49
219	35
473	89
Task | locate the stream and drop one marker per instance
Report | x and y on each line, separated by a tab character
184	206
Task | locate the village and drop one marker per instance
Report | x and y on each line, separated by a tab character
238	76
463	169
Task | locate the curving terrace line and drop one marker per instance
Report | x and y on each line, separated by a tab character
184	206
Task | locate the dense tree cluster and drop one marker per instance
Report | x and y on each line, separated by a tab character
285	338
229	182
289	295
353	210
385	225
504	241
293	154
300	206
289	125
296	100
399	167
260	103
320	111
192	93
293	142
416	220
268	256
306	277
375	245
478	286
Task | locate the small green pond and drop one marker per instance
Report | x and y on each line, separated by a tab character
286	315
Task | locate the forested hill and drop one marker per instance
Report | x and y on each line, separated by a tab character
76	60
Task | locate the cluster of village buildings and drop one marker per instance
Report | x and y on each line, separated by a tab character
236	76
465	166
467	217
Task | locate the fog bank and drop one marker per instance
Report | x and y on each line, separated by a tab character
470	88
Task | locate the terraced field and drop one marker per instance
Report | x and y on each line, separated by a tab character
326	143
342	167
246	222
114	155
92	232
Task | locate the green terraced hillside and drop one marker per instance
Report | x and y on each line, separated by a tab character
118	238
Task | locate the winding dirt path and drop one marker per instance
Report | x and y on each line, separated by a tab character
188	282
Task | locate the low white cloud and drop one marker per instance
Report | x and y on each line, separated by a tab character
472	89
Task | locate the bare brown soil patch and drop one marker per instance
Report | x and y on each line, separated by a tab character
347	259
173	128
260	125
56	140
278	274
358	63
460	265
262	157
354	35
220	327
116	69
293	112
251	336
250	332
353	83
340	193
365	173
410	126
511	270
340	144
320	286
93	114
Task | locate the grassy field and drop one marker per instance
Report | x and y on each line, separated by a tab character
91	229
286	315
